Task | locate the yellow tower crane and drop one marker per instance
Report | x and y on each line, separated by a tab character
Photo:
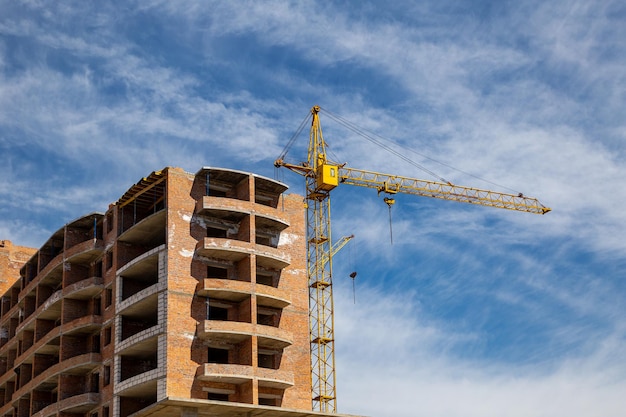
322	176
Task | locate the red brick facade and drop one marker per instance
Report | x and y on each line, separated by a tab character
12	258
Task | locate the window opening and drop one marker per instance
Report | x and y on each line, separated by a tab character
106	377
108	299
107	336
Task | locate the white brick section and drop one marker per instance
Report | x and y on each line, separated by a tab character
163	265
158	372
162	365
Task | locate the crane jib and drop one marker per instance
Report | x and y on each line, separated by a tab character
392	184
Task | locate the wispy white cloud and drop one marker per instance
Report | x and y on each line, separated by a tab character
471	310
390	353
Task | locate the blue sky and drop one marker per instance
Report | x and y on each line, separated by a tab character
472	311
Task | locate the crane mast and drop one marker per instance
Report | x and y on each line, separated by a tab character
321	177
319	259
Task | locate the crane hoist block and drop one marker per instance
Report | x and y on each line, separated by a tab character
327	177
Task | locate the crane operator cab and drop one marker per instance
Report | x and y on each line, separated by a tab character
327	176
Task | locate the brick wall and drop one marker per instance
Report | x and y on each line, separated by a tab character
12	258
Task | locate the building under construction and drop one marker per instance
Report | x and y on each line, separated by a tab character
187	297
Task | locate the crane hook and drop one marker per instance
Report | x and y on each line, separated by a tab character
390	202
353	276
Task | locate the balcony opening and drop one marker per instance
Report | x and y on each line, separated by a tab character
6	304
74	345
31	269
217	355
264	240
142	274
131	286
97	306
267	233
266	278
15	294
131	325
266	361
24	374
109	221
8	392
268	316
135	365
95	343
75	272
43	293
226	184
97	269
108	297
236	271
129	251
268	192
94	382
266	200
269	358
50	250
109	259
43	362
41	399
216	396
217	272
215	192
217	313
227	310
42	328
71	385
13	325
30	306
83	230
141	202
131	405
271	401
216	232
98	230
74	309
